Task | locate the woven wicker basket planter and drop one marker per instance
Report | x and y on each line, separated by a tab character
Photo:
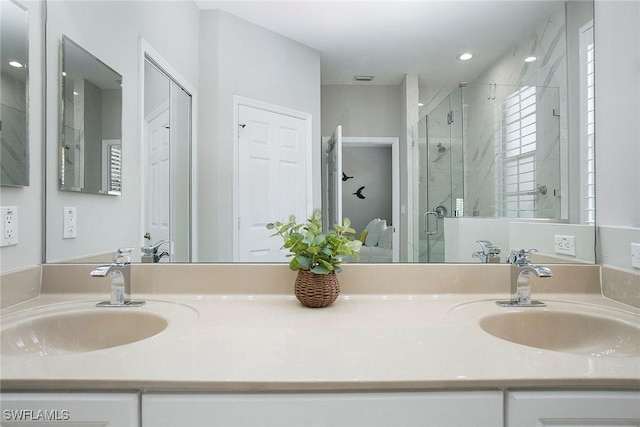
316	290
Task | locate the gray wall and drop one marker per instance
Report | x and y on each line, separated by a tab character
371	167
617	36
362	110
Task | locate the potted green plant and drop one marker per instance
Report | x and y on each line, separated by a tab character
316	256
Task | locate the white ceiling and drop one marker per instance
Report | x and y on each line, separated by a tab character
388	39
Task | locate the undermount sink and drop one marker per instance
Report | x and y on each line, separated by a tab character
72	328
566	331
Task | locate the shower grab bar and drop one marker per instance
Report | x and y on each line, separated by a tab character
425	218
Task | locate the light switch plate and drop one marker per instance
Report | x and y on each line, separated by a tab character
565	245
9	224
635	255
70	226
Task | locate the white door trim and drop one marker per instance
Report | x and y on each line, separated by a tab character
253	103
394	143
145	49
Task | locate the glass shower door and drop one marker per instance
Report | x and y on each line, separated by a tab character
440	176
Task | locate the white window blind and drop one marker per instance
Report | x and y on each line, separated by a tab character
587	127
112	166
115	168
516	196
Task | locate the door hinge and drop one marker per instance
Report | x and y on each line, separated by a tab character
450	118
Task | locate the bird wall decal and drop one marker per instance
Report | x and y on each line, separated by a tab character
359	194
345	177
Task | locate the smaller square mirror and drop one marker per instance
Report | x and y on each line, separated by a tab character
91	125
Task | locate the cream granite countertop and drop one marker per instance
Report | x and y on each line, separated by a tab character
269	342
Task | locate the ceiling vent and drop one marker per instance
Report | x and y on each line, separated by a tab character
363	78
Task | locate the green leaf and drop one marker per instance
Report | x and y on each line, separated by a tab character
304	262
318	240
320	269
328	265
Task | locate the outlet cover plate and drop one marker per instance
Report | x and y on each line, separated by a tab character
635	255
9	225
70	227
565	245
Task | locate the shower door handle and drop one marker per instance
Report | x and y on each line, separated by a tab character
426	223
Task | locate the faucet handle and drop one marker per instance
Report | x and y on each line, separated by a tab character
520	257
488	248
153	249
122	256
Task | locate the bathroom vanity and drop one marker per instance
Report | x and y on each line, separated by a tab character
402	345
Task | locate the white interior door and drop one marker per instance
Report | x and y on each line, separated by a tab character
334	165
157	179
273	177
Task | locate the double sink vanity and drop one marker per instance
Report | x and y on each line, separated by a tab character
411	341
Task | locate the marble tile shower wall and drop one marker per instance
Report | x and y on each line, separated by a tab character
13	107
548	73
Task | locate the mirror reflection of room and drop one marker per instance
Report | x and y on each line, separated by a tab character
91	130
14	72
493	148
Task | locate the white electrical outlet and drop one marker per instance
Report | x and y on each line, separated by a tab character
565	245
9	223
70	226
635	255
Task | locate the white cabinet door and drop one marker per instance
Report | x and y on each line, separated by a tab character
77	409
441	409
577	408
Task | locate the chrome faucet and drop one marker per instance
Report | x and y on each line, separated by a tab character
119	271
521	268
150	253
489	253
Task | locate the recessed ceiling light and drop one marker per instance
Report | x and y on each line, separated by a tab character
465	56
420	104
75	93
16	64
530	59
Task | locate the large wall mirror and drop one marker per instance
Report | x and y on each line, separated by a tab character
502	153
91	123
14	89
